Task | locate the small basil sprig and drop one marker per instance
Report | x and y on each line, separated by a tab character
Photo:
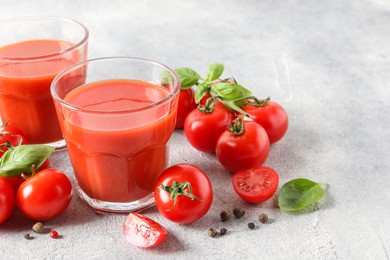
299	193
227	91
20	159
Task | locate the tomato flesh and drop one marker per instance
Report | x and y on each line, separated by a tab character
142	231
256	185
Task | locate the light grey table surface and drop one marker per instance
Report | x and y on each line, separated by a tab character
326	62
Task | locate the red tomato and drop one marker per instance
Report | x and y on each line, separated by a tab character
45	195
7	199
203	129
189	180
11	134
242	151
15	182
256	185
142	231
272	117
185	106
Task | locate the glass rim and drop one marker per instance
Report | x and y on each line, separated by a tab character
48	56
171	94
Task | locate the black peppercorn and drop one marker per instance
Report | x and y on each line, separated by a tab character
238	213
225	215
212	232
263	218
251	225
223	231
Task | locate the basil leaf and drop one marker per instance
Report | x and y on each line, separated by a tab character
21	158
299	193
188	77
201	91
230	91
214	71
232	106
166	78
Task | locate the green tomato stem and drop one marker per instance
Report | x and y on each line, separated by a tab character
177	189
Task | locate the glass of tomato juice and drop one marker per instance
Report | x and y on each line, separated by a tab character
33	50
117	115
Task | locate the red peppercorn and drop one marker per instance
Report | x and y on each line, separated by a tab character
54	234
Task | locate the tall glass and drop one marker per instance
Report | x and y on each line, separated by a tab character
32	52
117	115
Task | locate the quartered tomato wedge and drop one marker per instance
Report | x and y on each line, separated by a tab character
142	231
256	185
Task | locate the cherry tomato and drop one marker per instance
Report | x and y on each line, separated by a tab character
256	185
15	182
45	195
272	117
185	106
203	129
242	151
7	199
142	231
11	134
194	193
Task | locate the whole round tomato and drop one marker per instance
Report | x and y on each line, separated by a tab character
272	117
202	129
45	195
7	199
12	135
244	150
142	231
185	106
256	185
183	193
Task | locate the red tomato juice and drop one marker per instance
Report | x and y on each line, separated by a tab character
118	156
25	99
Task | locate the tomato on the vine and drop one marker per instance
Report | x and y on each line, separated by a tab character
10	135
242	146
44	195
142	231
256	185
185	106
202	129
183	193
7	199
271	116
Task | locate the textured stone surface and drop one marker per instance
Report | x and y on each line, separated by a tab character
326	62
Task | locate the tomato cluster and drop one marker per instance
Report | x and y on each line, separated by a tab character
40	194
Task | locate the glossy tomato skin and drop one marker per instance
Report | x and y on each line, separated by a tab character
142	231
272	117
45	195
202	130
7	199
13	135
185	106
257	184
186	210
247	150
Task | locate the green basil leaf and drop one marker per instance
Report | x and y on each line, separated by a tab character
230	91
214	71
188	77
299	193
166	78
201	91
21	158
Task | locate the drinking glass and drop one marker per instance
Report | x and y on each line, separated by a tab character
117	115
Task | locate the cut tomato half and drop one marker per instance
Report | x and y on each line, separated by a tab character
257	184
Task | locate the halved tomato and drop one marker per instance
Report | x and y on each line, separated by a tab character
256	185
